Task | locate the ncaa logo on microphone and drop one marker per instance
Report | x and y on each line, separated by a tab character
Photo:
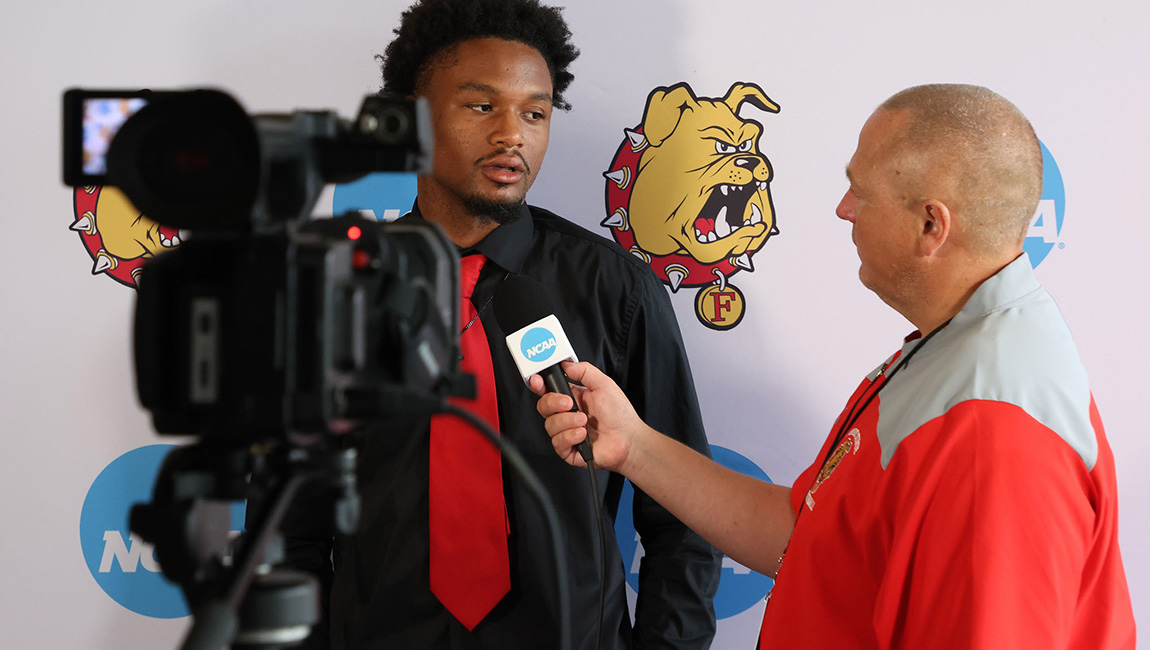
122	564
538	344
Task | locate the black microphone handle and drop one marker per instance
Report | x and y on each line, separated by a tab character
556	382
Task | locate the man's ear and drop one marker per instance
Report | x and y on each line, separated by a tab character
936	223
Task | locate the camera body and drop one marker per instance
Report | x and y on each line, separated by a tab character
292	331
262	323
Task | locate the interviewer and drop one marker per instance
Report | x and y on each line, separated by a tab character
965	497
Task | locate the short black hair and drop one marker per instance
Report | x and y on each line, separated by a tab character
430	28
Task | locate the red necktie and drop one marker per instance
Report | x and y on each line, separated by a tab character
468	517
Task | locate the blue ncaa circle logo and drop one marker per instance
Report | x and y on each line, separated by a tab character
739	587
538	344
386	195
1046	225
124	565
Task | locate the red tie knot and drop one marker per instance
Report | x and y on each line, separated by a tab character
469	268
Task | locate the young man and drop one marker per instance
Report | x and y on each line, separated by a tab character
493	73
966	496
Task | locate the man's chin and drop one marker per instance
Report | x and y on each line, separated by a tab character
500	212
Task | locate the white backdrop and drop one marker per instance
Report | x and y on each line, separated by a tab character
769	387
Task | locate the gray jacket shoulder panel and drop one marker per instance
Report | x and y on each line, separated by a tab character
1008	344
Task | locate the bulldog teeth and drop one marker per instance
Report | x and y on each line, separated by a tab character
722	228
718	227
756	216
763	185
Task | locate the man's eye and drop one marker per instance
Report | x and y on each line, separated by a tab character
482	108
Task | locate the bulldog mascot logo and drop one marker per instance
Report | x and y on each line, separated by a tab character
689	193
118	238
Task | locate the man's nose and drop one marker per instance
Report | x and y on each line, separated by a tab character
508	131
846	208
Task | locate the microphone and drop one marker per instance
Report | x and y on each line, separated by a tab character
536	341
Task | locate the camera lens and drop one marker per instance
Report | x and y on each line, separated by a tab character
389	124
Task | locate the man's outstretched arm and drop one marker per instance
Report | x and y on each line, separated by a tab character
748	519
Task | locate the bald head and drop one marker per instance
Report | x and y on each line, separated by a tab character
977	149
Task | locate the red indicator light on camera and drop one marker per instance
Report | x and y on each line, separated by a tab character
360	260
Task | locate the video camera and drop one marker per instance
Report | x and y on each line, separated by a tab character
263	323
266	331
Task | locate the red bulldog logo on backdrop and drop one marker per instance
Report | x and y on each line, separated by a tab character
118	238
688	192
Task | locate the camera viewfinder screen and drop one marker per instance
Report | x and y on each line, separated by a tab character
103	116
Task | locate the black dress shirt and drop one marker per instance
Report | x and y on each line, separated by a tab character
617	316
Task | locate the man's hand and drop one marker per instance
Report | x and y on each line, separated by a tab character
604	413
748	519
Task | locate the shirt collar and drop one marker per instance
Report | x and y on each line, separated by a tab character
506	246
1014	282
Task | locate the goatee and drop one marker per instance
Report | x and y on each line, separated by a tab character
500	212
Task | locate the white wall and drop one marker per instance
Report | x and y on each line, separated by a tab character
770	387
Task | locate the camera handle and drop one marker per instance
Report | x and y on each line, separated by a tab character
250	604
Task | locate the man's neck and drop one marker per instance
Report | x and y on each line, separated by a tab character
461	227
949	293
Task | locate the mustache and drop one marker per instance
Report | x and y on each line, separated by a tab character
503	152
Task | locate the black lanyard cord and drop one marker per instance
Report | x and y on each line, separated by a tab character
856	410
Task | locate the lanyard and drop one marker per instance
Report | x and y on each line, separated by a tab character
856	410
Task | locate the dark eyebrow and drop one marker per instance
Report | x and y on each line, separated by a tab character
847	171
477	87
484	88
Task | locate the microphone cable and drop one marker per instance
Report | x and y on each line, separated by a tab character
551	383
521	302
598	506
